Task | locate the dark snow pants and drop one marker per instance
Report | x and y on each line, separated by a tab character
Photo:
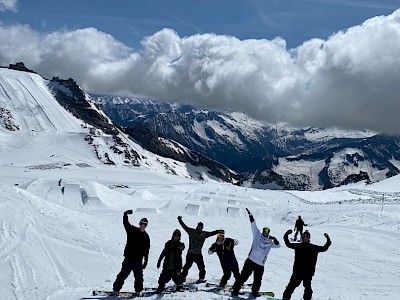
297	232
228	272
166	276
249	268
194	258
128	266
295	281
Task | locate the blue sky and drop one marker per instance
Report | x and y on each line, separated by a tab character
129	21
318	63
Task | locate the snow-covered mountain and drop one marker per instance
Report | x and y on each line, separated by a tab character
61	206
39	115
272	156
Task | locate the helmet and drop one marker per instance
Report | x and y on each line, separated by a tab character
266	230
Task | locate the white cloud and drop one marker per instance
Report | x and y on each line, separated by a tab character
8	5
350	80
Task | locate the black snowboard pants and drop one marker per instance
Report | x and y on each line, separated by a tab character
297	232
166	276
128	266
249	268
194	258
295	281
228	270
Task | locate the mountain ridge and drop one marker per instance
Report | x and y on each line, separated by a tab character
265	154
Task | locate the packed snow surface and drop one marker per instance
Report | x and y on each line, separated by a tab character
63	241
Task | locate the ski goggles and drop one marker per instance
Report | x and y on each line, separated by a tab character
143	223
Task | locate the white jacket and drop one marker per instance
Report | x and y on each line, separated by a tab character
261	246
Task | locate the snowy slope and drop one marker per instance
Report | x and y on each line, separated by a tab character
39	131
62	246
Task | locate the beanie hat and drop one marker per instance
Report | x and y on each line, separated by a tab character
200	224
307	233
144	220
177	232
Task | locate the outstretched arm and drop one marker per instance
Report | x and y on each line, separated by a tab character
214	232
250	216
184	226
286	239
327	244
126	220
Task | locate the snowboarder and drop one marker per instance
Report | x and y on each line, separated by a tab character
172	266
224	248
305	259
262	244
197	238
298	227
136	254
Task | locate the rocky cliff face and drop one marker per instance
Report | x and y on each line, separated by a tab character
266	155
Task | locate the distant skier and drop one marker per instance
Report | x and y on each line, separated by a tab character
305	259
197	238
224	249
172	266
298	227
136	254
262	244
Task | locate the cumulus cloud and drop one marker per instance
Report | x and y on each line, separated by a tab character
351	80
8	5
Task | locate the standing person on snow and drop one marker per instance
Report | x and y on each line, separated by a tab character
197	238
224	248
136	249
298	227
305	259
172	265
262	244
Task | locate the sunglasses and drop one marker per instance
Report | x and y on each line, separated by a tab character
141	223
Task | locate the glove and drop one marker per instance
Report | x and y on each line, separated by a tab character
289	232
179	217
128	212
144	264
158	264
248	211
326	235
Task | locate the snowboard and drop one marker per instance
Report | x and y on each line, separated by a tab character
214	284
146	292
110	293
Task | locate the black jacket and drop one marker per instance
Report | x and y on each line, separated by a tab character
299	224
227	258
305	255
137	242
172	253
196	238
